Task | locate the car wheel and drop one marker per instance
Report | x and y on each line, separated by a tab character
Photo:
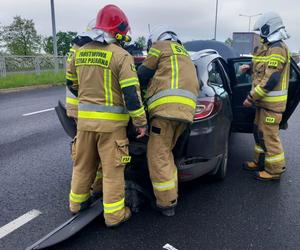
221	173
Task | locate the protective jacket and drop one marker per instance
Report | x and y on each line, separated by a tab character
71	98
109	91
171	79
271	69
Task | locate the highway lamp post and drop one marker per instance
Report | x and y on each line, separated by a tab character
250	17
216	20
54	35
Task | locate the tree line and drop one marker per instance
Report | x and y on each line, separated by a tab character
21	38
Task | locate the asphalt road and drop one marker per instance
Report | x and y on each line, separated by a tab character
237	213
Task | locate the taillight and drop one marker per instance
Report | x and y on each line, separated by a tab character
206	106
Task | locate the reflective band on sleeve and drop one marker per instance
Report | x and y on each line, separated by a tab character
258	149
102	108
137	113
273	57
275	158
108	87
99	175
73	101
79	198
102	115
174	72
110	208
95	57
71	77
154	52
129	82
258	89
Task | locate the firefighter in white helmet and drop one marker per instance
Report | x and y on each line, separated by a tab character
270	71
172	88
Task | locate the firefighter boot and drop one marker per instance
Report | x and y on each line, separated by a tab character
126	218
78	207
250	166
265	176
169	212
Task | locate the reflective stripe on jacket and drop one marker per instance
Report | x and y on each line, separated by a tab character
173	90
109	91
271	69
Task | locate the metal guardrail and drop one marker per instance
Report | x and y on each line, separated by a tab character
30	64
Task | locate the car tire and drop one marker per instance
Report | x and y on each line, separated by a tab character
222	169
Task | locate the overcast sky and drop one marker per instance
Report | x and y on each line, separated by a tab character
192	19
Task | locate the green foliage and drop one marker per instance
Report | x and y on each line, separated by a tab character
21	80
140	43
20	37
64	40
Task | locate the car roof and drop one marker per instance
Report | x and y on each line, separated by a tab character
224	50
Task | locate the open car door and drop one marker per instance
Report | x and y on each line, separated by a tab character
241	83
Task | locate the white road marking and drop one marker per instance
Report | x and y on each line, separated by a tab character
169	247
38	112
15	224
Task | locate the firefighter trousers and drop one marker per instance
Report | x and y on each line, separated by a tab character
163	171
112	150
97	185
268	152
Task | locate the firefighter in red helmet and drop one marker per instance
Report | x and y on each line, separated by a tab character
109	94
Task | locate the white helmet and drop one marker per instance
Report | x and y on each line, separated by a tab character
161	32
268	24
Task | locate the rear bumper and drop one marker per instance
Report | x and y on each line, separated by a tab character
190	169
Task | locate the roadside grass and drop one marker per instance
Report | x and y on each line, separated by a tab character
31	79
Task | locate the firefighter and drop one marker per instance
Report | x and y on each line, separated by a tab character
270	70
72	99
172	88
106	80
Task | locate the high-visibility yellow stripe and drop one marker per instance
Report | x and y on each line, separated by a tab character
79	198
275	158
260	91
173	99
110	93
99	175
153	54
110	208
174	72
137	113
167	185
108	87
129	82
275	98
102	116
155	50
258	149
72	101
71	77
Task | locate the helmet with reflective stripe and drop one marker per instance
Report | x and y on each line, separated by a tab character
112	20
268	24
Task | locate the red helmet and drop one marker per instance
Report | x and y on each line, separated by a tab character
112	20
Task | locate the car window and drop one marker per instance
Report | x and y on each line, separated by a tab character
293	74
215	73
242	78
